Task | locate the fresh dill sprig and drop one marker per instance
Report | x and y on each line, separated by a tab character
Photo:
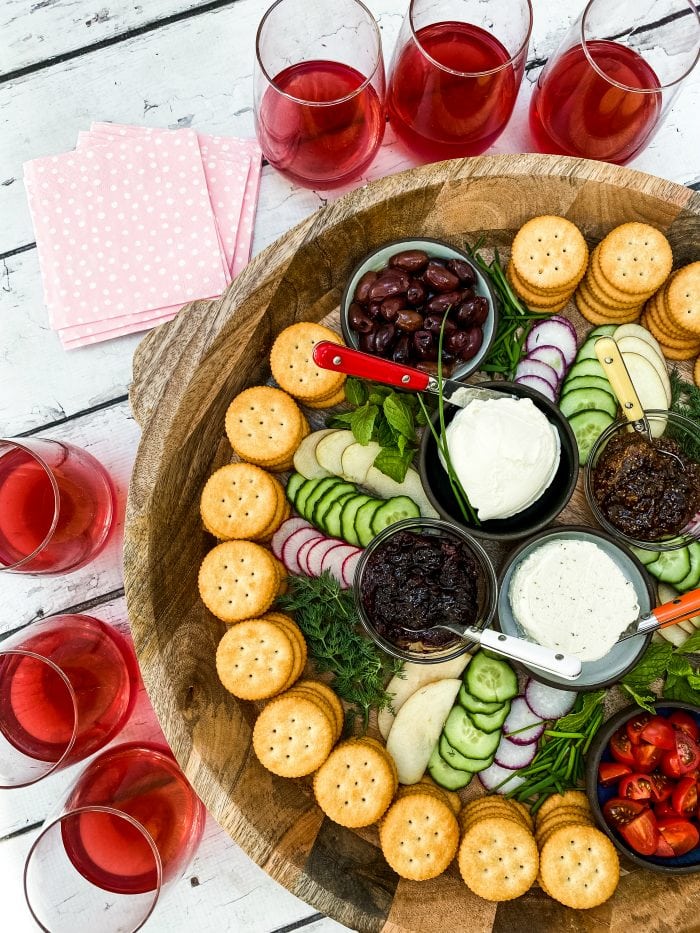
685	400
326	615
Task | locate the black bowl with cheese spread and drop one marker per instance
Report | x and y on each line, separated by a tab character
531	519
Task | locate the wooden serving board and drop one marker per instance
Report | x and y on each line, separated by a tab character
185	374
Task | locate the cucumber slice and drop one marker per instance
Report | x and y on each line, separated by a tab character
444	775
461	762
605	330
331	517
322	487
587	382
326	500
392	511
303	494
671	566
585	368
472	705
363	521
692	580
294	484
490	680
351	507
489	722
464	736
586	351
644	557
587	427
585	400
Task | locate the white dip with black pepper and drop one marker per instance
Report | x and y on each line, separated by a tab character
572	597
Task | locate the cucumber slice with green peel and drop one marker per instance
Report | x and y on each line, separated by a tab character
693	578
605	330
363	521
322	487
459	761
444	775
589	367
587	382
671	566
490	680
586	352
392	511
644	557
294	484
331	517
490	722
351	507
466	738
303	493
587	427
325	501
472	705
586	400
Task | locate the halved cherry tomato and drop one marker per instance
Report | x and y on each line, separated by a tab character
663	849
611	771
687	751
634	726
642	833
657	731
661	786
685	797
635	787
663	809
686	722
671	766
680	834
647	757
621	748
618	811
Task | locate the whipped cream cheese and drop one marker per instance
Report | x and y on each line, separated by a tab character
572	597
505	453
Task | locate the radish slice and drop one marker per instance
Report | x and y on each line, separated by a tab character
536	382
554	332
349	567
314	557
530	367
522	726
548	702
500	780
292	546
303	555
552	356
284	532
563	320
335	558
513	757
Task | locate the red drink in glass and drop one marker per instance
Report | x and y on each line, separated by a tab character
324	126
57	506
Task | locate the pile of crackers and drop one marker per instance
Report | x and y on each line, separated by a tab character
259	658
672	315
294	370
548	259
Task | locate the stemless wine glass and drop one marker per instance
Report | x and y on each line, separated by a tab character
57	506
319	90
67	686
128	829
455	74
607	88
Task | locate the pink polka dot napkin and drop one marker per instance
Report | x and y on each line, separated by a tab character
137	222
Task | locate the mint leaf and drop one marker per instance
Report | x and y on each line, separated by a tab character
678	688
400	416
393	463
678	666
378	394
355	392
691	644
646	701
343	420
362	424
654	664
586	703
383	434
401	443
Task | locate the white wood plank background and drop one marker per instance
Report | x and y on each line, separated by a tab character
170	63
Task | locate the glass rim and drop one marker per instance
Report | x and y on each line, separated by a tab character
111	811
24	652
320	103
472	74
625	87
56	498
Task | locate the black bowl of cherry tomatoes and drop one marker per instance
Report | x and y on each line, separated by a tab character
643	784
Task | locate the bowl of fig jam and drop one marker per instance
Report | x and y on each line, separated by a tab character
395	302
417	574
641	494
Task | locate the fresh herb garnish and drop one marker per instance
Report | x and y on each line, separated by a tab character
514	322
560	761
677	677
326	615
387	417
685	400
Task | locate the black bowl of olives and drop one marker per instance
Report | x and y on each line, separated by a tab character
397	298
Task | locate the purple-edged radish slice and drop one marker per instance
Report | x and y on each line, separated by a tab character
292	546
548	702
349	567
522	726
284	532
513	757
500	780
333	561
553	333
563	320
536	382
303	555
552	356
314	557
530	367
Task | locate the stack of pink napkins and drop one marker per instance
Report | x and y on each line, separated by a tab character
136	222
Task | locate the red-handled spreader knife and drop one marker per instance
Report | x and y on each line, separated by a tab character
331	356
680	609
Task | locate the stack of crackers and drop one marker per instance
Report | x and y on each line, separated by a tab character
548	259
241	500
265	426
672	315
294	370
419	833
356	783
631	263
260	658
240	580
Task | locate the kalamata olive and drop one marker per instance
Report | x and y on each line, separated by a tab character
384	339
409	321
462	270
438	304
367	342
467	294
433	323
482	309
457	341
390	282
402	350
410	260
424	345
359	320
373	309
475	338
439	277
390	307
416	293
466	312
363	286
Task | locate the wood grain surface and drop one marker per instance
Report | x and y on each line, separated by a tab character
185	375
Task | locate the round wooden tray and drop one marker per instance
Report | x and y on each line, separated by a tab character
185	374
